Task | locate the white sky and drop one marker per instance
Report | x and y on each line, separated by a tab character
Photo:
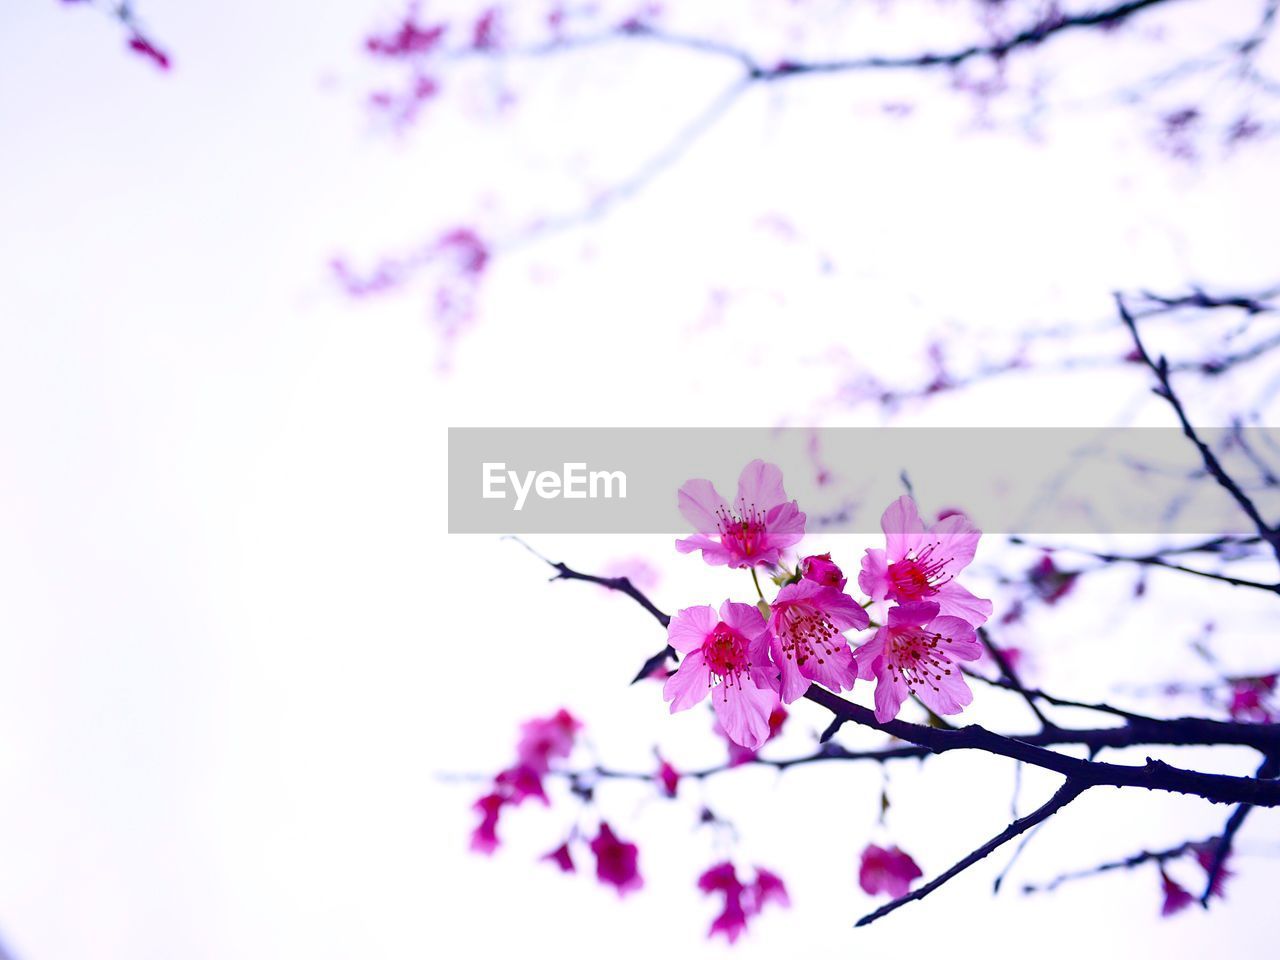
237	644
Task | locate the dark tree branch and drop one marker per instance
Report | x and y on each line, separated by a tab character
1155	560
1165	390
1128	863
1153	775
1269	769
1064	795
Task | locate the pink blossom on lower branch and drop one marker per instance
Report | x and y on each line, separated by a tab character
1175	896
727	656
561	857
917	653
484	839
1251	700
922	564
806	637
753	530
541	741
741	900
887	871
617	862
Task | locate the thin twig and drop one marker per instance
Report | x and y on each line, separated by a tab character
1064	795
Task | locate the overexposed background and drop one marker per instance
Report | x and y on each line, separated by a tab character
237	645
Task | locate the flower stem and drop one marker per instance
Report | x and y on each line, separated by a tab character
756	581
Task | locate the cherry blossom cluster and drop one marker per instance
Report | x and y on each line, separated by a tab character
751	657
543	743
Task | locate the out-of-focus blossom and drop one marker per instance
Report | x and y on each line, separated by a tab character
726	656
145	48
753	530
409	39
768	888
821	570
806	637
486	31
545	739
918	652
920	564
668	777
1050	583
741	901
1205	853
562	858
484	839
1175	896
644	576
617	862
519	783
541	741
1251	699
887	871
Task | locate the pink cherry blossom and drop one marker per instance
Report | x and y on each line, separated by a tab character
727	656
920	564
741	900
1205	853
561	857
753	530
768	888
917	652
668	777
739	754
806	638
484	839
887	871
1251	699
546	739
1050	583
820	569
1175	896
519	783
617	862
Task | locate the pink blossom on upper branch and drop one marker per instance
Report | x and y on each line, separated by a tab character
753	530
917	652
617	862
727	656
887	871
806	637
922	564
821	570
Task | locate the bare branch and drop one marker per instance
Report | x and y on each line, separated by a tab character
1064	795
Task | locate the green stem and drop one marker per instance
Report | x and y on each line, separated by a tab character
756	581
